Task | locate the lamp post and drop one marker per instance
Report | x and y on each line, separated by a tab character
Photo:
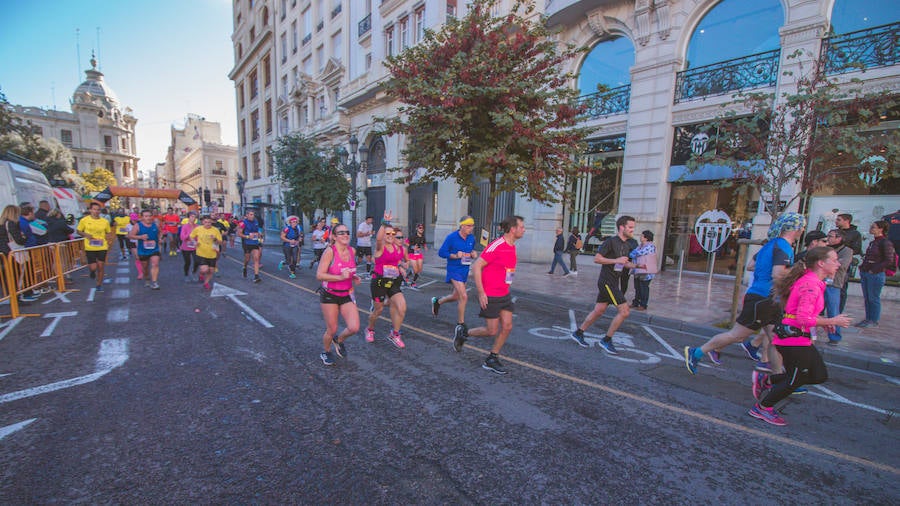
353	168
240	188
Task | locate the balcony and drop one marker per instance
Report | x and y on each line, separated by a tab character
606	103
219	172
754	71
865	49
219	191
365	25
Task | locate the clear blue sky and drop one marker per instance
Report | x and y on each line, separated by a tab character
162	58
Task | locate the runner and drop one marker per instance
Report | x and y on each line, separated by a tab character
189	246
250	233
208	241
147	234
613	255
458	249
386	281
364	233
494	272
224	227
97	235
120	224
319	241
803	289
337	272
760	311
132	243
291	242
170	231
416	248
232	230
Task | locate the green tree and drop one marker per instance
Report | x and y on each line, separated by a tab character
483	100
311	176
824	133
98	180
18	137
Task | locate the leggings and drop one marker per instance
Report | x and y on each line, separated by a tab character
291	256
803	365
189	257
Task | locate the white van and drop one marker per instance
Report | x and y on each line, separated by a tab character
20	182
69	202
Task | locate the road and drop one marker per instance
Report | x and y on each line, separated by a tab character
176	396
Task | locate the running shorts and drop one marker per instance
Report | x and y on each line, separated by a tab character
610	294
759	311
382	288
497	304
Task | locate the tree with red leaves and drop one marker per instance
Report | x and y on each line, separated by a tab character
484	100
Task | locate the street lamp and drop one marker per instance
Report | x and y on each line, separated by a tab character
353	168
240	187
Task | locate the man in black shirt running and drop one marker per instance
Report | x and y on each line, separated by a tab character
613	255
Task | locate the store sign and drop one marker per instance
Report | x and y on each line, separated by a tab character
713	228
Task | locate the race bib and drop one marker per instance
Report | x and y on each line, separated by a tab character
190	243
466	259
149	244
123	230
510	275
254	235
391	271
95	243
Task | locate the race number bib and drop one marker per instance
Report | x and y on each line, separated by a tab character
190	243
123	230
254	235
510	276
95	243
391	271
466	259
149	244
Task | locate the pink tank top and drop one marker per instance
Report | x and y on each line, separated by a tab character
337	266
387	264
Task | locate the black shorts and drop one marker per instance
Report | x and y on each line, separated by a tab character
497	304
326	297
249	247
318	252
382	288
759	311
803	365
610	294
363	251
95	256
206	261
145	258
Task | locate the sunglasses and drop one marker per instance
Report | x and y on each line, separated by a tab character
342	232
399	237
389	233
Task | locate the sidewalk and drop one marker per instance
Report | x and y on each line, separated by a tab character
685	306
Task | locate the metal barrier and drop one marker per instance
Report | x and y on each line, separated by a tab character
32	268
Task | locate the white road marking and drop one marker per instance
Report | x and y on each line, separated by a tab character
59	296
221	290
8	326
672	353
123	281
423	285
113	353
9	429
90	297
120	293
122	270
843	400
56	317
117	315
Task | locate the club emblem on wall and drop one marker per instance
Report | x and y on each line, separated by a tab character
713	228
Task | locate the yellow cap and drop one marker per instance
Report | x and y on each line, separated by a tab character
467	220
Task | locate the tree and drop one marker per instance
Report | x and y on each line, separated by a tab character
18	136
824	133
312	177
483	99
98	180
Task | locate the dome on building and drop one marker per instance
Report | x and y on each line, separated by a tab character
94	90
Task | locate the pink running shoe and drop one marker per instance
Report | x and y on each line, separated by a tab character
394	338
768	415
370	335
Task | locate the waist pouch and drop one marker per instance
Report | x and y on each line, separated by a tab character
784	331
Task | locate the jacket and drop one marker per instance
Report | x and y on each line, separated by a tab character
879	256
845	256
58	230
15	235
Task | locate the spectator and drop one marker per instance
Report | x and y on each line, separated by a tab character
642	281
26	216
58	230
558	248
43	210
12	237
839	280
813	239
853	240
573	247
879	256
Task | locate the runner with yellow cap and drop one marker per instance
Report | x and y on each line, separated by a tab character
459	250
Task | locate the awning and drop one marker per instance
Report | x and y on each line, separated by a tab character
706	172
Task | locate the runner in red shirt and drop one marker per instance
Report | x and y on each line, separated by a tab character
494	272
170	222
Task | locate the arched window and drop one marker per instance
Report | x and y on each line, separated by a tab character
608	64
733	29
853	15
377	157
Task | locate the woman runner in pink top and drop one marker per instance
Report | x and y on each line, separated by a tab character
802	290
390	258
337	272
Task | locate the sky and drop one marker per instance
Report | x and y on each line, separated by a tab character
162	58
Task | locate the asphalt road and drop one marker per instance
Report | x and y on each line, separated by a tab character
176	396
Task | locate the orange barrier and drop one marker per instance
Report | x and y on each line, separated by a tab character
5	293
31	268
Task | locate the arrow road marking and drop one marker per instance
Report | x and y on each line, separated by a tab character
9	429
59	296
8	326
220	290
56	317
113	353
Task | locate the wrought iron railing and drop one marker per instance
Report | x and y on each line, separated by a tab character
606	103
754	71
864	49
365	25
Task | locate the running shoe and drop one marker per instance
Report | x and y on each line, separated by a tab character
763	367
714	357
768	415
292	276
281	265
800	391
28	298
340	349
578	336
370	335
257	279
759	382
147	284
99	288
608	346
752	351
206	286
154	286
690	361
459	338
244	271
326	358
396	340
492	363
435	306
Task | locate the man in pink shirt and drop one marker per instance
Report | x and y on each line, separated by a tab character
494	272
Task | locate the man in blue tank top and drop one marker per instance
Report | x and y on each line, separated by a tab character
251	235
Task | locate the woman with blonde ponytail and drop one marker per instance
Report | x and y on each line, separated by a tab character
802	293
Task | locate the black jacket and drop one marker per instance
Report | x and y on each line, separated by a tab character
14	234
853	239
58	230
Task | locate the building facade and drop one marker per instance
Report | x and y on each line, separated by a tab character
99	131
656	72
